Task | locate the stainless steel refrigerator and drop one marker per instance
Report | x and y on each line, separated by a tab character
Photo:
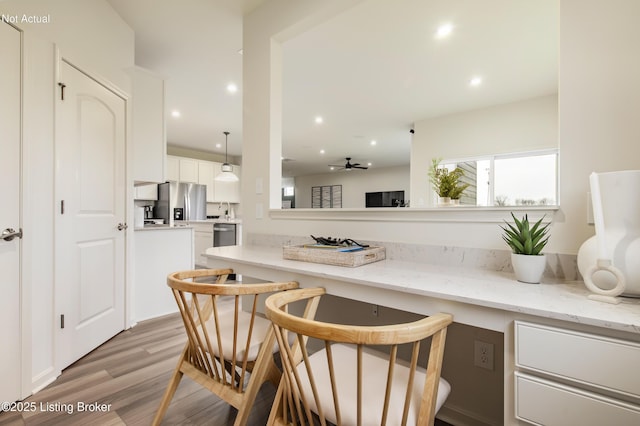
181	202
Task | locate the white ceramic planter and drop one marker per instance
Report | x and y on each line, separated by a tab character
444	201
528	269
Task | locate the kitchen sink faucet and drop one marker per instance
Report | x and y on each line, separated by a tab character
226	212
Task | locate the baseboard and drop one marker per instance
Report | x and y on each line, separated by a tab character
44	379
458	416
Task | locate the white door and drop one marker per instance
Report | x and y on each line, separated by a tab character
90	219
10	110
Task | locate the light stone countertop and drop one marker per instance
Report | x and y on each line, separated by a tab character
162	227
566	301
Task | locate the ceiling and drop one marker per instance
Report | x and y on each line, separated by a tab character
369	72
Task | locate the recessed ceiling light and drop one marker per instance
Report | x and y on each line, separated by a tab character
373	142
331	168
240	51
369	164
218	145
319	120
232	88
475	81
175	113
444	30
322	151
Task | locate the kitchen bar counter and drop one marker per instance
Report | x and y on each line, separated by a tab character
161	227
499	291
577	327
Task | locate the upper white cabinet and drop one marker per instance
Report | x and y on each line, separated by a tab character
148	128
146	192
188	170
206	174
173	168
182	169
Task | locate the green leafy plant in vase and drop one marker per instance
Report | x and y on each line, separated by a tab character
526	244
446	183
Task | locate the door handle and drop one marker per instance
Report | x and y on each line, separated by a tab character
10	233
122	226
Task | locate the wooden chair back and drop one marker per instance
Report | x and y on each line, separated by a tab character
228	341
355	376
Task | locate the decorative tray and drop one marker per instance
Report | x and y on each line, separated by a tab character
334	255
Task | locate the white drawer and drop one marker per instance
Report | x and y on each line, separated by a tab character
601	362
202	227
542	402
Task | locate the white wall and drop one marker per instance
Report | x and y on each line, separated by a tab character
92	36
599	100
354	184
520	126
598	128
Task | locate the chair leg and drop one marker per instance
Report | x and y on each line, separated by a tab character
266	370
170	391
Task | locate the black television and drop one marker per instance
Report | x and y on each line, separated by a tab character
384	199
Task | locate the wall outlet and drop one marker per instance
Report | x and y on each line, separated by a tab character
483	354
374	310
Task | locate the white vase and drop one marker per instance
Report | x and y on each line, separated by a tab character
528	268
624	252
619	204
444	201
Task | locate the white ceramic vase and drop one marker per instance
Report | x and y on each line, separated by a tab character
618	239
444	201
528	268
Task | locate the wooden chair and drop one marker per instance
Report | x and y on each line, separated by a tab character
226	345
355	377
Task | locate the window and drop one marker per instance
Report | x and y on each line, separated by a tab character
519	179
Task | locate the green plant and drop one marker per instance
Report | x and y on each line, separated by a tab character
524	239
445	182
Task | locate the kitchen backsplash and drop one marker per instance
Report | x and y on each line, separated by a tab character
559	266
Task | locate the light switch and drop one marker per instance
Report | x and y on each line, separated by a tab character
259	211
259	185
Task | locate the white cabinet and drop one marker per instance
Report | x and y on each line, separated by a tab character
158	252
146	192
173	168
203	239
148	128
206	175
568	377
188	170
228	191
182	169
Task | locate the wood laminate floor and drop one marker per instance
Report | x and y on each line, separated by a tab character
126	377
128	374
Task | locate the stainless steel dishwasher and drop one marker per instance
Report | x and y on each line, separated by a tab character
224	234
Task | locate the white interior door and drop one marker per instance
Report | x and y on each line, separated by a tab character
90	190
10	111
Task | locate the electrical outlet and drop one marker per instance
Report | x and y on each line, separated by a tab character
483	355
374	310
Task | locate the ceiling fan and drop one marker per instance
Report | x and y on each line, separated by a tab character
348	166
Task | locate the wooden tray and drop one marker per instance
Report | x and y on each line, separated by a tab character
332	257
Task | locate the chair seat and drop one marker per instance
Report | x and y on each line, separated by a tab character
260	328
374	382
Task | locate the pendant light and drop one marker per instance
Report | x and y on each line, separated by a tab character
226	175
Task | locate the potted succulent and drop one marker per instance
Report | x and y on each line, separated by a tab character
446	183
526	244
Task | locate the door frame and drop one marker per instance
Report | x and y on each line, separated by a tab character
60	57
